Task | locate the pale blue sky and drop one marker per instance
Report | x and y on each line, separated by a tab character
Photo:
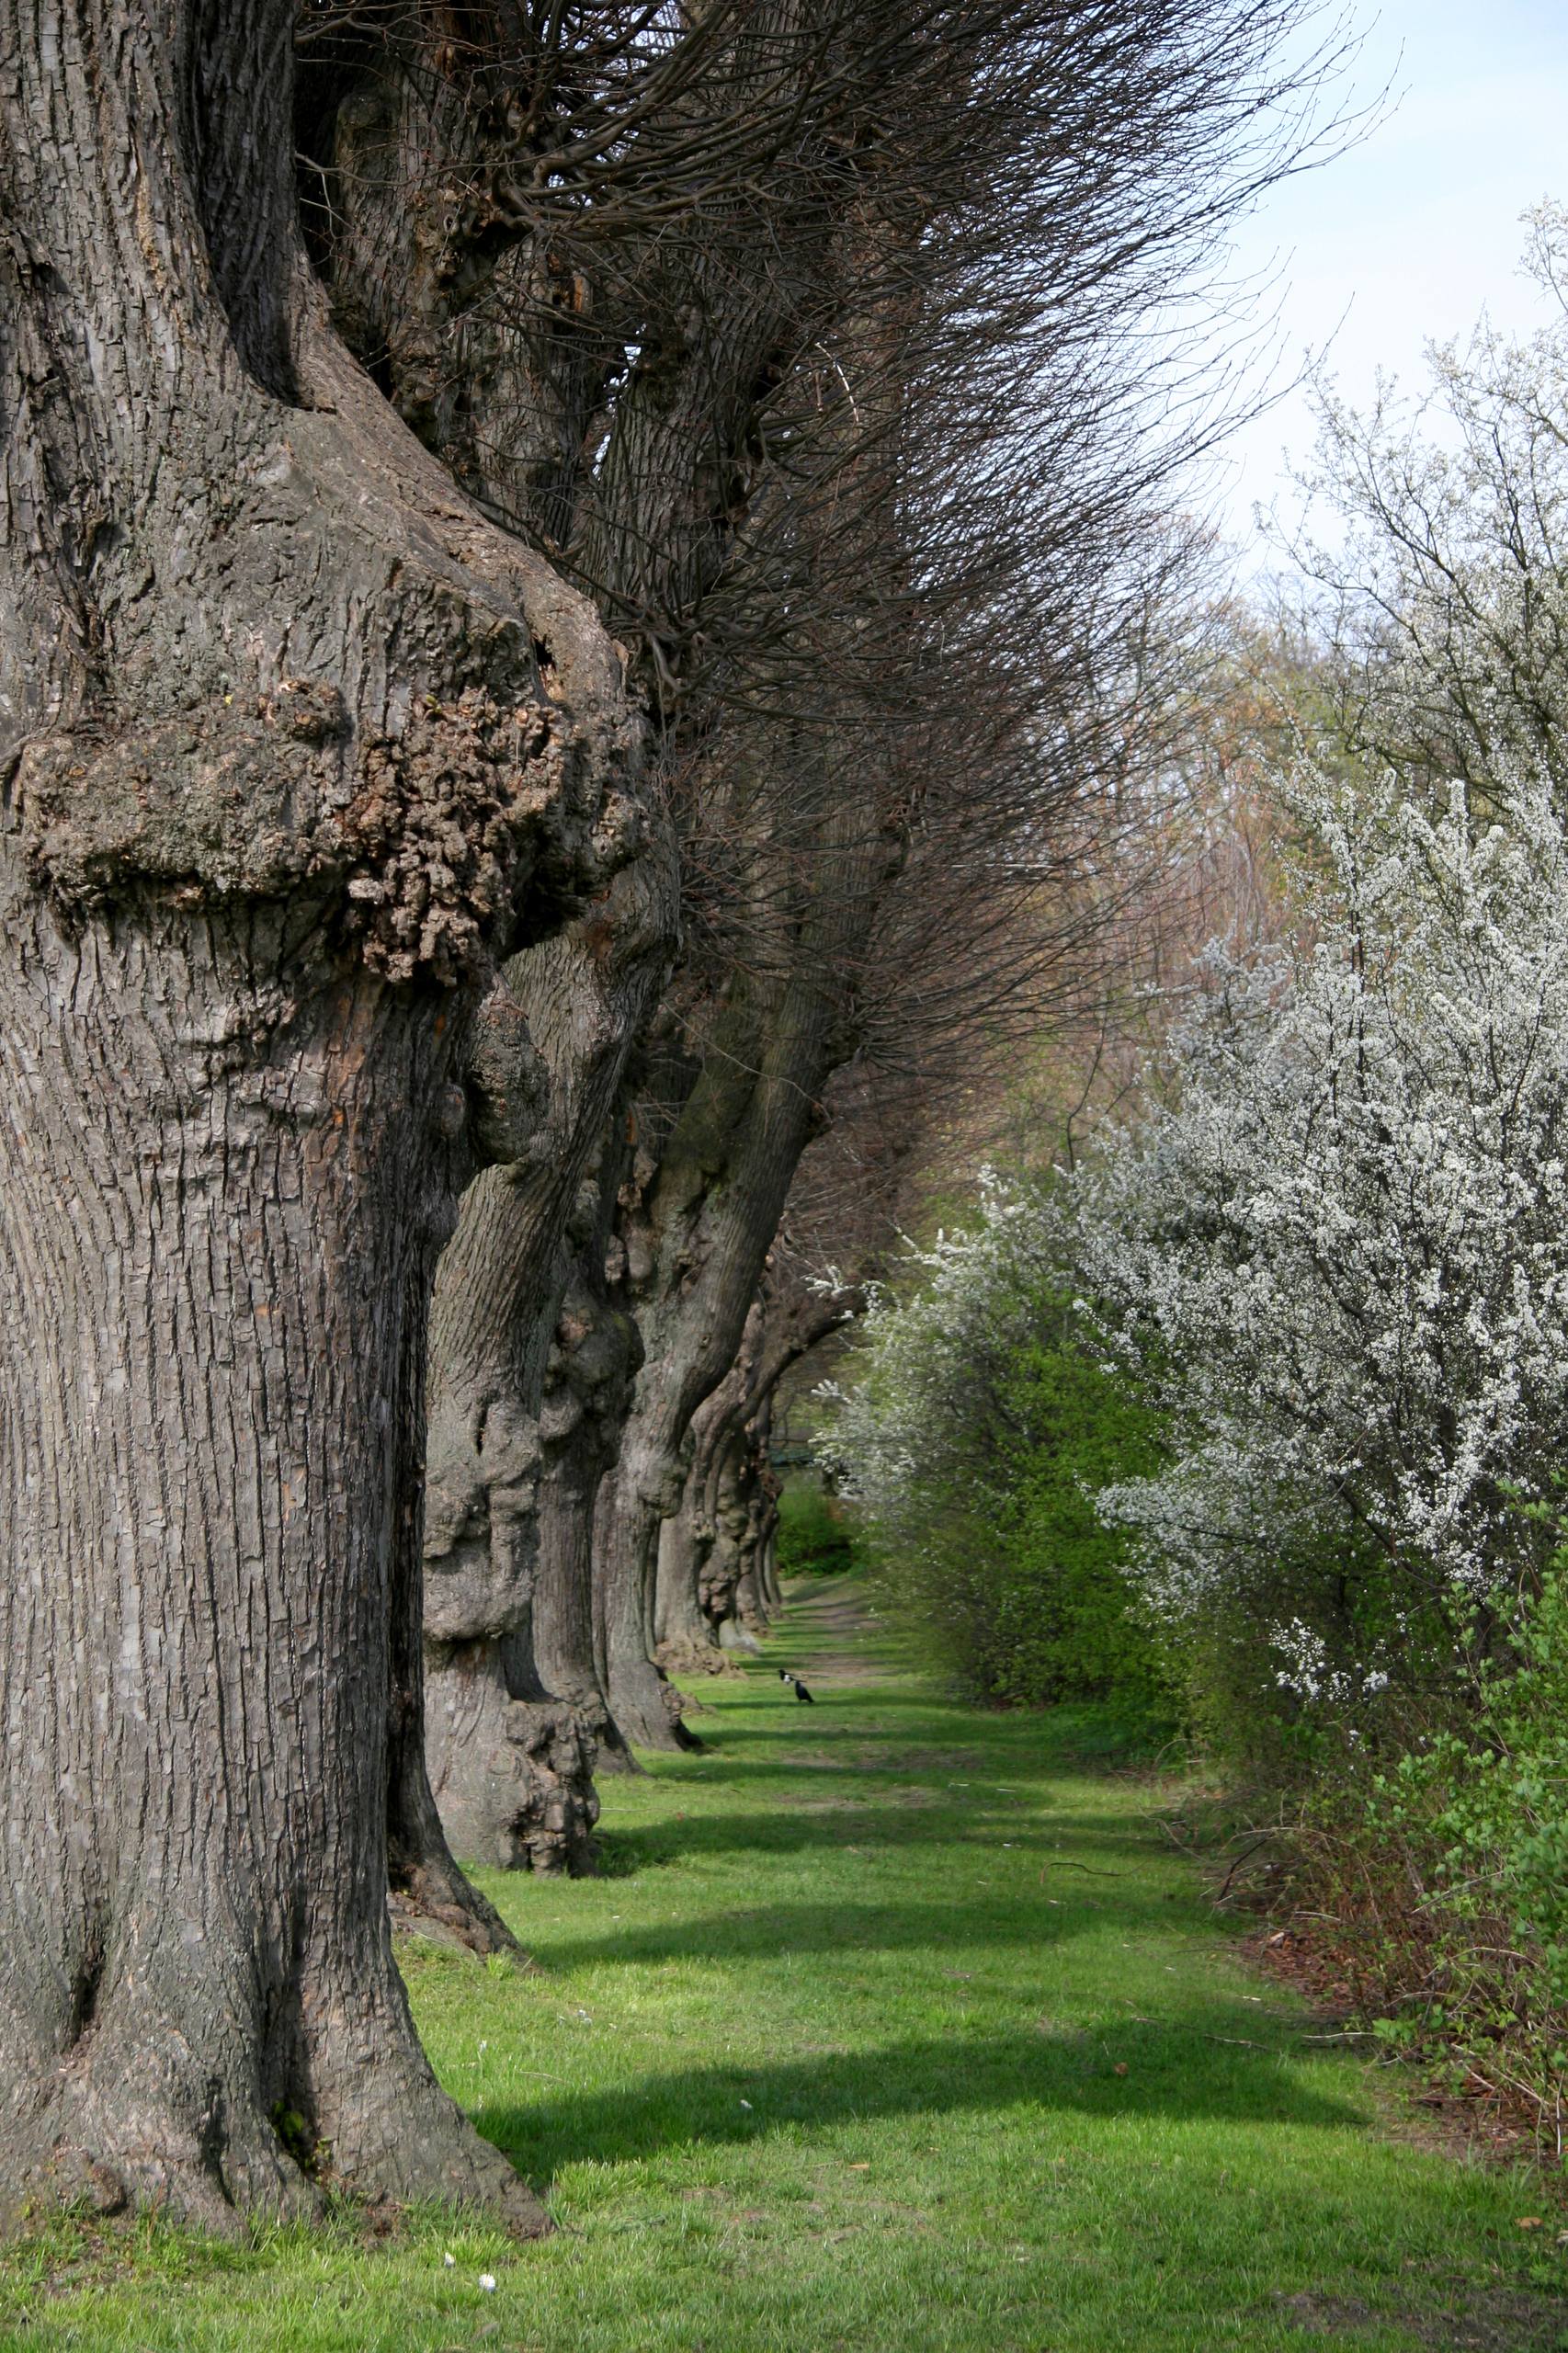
1417	229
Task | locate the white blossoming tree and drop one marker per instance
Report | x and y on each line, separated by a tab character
933	1351
1348	1232
1337	1235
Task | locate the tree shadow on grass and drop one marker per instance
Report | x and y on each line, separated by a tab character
765	1709
885	1819
1174	2070
778	1931
911	1735
902	1732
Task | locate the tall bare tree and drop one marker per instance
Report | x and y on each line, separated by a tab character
951	670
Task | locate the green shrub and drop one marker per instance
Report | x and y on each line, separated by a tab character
998	1556
1425	1849
981	1421
1472	1822
816	1537
1052	1614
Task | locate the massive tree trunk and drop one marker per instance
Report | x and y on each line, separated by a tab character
705	1549
608	387
755	1591
596	1352
770	1593
700	1543
291	741
500	331
511	1754
201	1422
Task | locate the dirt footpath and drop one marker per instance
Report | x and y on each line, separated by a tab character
827	1617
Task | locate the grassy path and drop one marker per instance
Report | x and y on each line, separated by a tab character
889	2028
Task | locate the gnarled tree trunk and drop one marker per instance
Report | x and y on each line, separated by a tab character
511	1756
748	1506
596	1353
710	1599
699	1544
756	1598
696	1238
291	741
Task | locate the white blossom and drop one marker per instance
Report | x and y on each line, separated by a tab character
964	1307
1347	1234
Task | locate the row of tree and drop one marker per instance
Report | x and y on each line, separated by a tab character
577	580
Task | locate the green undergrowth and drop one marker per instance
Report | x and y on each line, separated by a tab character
892	2025
816	1534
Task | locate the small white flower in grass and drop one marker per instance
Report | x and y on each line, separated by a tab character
487	2281
451	2261
745	2103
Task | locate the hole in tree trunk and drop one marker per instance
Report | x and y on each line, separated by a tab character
84	2008
298	2139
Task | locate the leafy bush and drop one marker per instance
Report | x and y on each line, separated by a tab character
1503	1798
815	1538
985	1419
1053	1615
1432	1856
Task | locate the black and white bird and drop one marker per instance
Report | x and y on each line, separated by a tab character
801	1690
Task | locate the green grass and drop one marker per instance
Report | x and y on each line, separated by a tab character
890	2027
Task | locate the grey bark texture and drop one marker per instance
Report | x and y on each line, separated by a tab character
749	1603
702	1544
712	1593
512	1755
696	1231
500	345
292	742
596	1353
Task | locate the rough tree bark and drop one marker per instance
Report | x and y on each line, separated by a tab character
770	1593
711	1549
473	327
511	1753
696	1229
701	1545
498	346
757	228
756	1592
596	1353
290	740
609	390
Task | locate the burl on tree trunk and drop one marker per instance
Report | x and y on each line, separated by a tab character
292	742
